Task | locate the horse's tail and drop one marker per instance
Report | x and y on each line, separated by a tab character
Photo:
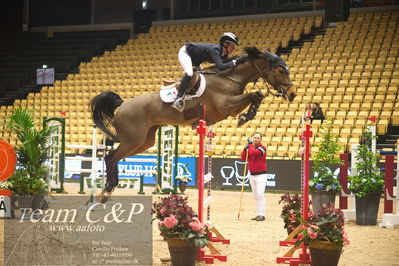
103	107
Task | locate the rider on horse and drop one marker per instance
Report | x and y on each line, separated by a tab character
194	54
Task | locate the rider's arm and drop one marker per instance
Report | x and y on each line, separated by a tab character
220	65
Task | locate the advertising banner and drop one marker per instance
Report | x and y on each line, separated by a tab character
282	174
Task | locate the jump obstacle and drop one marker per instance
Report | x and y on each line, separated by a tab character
215	254
166	161
304	256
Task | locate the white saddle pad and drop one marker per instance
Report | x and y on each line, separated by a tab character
168	93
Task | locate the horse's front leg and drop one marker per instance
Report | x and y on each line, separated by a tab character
234	105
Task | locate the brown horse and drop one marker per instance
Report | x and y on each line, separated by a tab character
137	120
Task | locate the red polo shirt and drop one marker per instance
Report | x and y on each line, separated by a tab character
256	159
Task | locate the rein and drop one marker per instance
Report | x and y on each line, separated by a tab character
217	74
280	93
264	77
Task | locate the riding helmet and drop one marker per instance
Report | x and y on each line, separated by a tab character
229	37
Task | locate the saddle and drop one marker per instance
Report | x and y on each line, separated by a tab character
192	87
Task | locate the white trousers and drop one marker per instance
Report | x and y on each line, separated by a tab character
258	185
185	61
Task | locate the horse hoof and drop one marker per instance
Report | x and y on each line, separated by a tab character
260	94
103	199
241	119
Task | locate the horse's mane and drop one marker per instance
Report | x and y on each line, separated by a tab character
253	52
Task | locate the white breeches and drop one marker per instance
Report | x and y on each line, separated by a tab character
185	61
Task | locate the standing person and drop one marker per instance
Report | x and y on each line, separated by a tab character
194	54
257	167
317	113
307	113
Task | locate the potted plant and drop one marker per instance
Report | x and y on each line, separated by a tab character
26	187
183	180
32	152
180	227
367	183
324	234
323	185
291	211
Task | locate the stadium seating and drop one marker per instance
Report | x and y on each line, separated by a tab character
350	71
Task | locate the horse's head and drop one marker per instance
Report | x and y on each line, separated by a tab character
276	74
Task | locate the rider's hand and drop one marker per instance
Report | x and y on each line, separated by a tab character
240	59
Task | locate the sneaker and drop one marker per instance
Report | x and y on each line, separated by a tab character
256	217
178	104
260	218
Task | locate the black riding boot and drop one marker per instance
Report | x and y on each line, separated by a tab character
179	102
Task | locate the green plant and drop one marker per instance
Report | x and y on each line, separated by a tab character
22	185
178	220
32	151
291	210
327	226
368	177
326	156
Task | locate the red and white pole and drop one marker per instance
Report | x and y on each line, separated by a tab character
307	134
201	131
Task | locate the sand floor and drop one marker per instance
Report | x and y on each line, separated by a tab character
257	243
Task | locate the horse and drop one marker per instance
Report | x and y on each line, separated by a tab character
134	122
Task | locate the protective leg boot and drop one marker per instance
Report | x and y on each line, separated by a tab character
178	104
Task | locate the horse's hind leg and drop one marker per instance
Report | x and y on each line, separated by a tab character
112	171
124	150
111	162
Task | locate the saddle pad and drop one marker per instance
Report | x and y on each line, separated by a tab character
169	93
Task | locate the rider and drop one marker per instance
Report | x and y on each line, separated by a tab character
194	54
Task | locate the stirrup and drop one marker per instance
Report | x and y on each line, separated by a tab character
179	104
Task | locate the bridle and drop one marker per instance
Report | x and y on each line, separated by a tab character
281	92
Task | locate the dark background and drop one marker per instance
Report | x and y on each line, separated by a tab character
76	12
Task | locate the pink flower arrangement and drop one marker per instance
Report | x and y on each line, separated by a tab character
178	220
291	210
170	222
327	225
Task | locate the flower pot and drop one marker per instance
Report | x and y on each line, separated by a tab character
321	197
367	209
37	201
182	186
25	202
324	253
182	253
